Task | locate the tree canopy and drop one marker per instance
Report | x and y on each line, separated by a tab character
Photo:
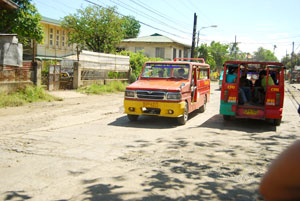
99	29
291	60
217	53
131	27
24	21
264	55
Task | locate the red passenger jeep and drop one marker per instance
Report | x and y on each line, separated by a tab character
169	89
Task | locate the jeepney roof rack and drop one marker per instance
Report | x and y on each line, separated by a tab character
191	59
278	64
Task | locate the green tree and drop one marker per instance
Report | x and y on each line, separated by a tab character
205	52
131	27
219	52
291	61
94	28
137	61
264	55
24	21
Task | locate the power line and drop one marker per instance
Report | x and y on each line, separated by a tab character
128	7
48	5
148	8
175	8
138	21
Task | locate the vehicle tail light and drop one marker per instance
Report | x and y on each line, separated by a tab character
277	99
226	94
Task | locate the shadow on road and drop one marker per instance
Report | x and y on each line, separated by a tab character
245	125
16	195
145	121
160	184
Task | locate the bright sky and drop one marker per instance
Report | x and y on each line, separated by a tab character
255	23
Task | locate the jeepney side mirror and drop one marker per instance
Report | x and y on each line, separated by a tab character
182	85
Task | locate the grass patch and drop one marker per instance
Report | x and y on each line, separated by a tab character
24	95
111	87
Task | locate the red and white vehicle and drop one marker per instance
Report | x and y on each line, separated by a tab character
272	93
169	89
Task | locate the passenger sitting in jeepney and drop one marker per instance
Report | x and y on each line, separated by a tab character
258	90
181	72
161	73
264	80
245	88
232	75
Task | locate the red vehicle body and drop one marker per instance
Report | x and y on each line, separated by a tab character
161	90
272	96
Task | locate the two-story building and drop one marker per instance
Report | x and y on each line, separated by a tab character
156	45
55	44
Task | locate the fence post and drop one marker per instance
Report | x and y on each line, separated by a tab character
77	75
37	67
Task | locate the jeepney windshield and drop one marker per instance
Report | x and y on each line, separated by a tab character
163	70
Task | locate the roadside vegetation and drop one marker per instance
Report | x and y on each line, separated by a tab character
28	94
112	87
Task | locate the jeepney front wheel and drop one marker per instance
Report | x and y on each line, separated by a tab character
203	107
132	117
183	119
276	122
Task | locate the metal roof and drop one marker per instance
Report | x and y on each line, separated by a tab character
154	38
48	20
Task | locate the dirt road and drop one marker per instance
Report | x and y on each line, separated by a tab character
84	148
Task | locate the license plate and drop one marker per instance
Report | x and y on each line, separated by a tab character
250	112
150	104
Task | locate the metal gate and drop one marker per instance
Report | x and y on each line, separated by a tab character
54	77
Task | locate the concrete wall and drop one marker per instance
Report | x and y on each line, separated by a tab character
12	78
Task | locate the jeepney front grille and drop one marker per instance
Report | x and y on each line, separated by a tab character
153	95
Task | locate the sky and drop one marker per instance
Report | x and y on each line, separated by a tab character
253	24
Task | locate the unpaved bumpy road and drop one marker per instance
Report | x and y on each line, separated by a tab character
84	148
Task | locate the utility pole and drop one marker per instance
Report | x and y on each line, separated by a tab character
292	57
235	47
194	36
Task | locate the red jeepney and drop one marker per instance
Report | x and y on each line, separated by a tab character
253	90
169	89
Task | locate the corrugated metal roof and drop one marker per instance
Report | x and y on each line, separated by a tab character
50	20
154	38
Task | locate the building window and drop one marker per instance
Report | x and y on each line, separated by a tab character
51	37
138	49
68	44
180	53
57	38
63	39
160	52
174	53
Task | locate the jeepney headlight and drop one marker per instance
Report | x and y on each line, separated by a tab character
129	93
173	96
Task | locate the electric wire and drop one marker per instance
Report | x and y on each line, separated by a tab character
139	21
148	8
128	7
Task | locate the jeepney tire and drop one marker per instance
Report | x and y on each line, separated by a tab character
183	119
276	122
203	107
132	117
226	117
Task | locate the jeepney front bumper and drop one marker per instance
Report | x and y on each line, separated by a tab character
158	108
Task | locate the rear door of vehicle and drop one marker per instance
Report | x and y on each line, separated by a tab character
229	95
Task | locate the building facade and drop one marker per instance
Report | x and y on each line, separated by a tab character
55	40
55	44
156	45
